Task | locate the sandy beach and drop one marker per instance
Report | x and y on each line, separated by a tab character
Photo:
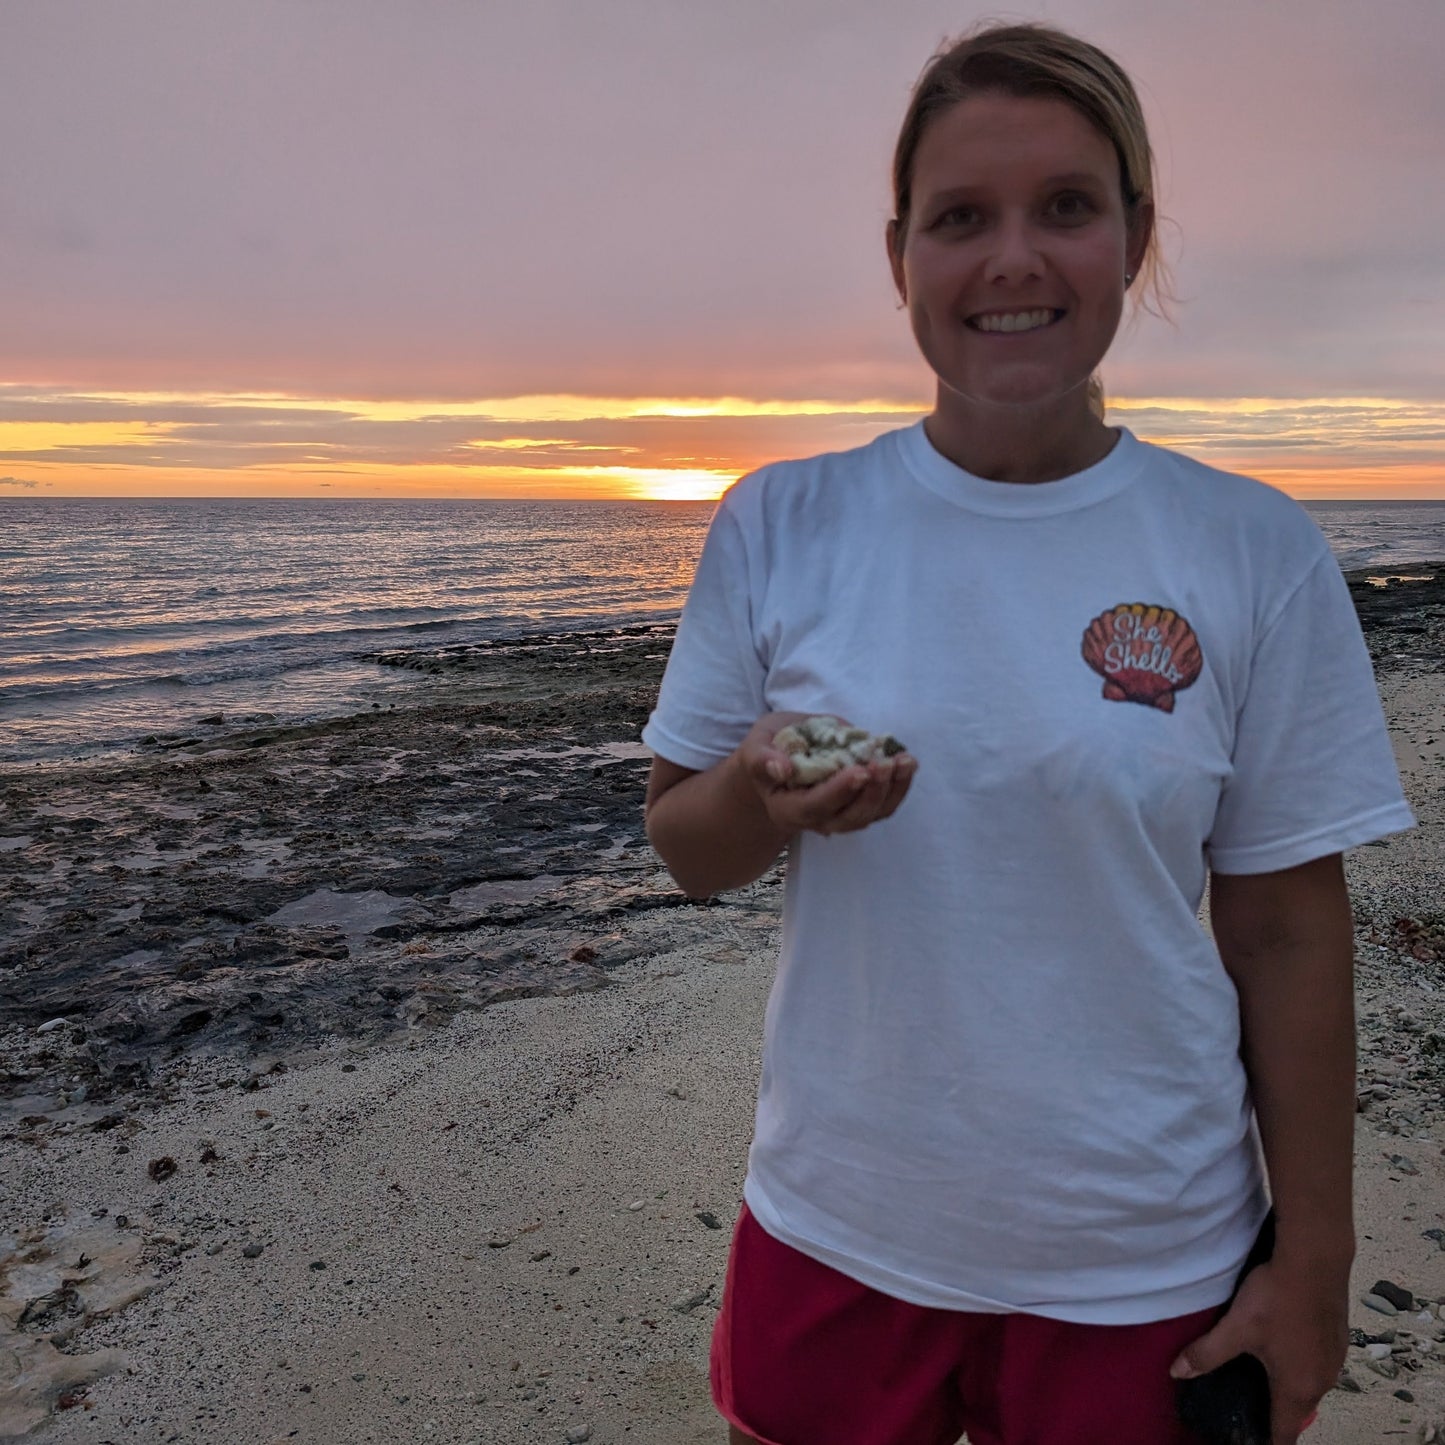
370	1081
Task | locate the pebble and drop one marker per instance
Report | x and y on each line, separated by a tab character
253	1250
1349	1384
1379	1351
691	1301
1397	1295
1406	1396
215	1246
636	1205
578	1433
1379	1304
1404	1164
1388	1368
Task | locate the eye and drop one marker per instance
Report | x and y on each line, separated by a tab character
957	216
1073	206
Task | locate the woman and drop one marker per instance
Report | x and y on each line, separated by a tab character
1005	1170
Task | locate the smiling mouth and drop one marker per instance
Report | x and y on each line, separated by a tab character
1015	323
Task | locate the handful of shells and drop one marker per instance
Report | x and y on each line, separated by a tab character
821	746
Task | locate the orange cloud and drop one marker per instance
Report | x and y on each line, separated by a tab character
565	446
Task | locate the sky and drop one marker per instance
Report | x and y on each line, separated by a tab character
635	249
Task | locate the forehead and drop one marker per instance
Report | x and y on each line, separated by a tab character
1002	141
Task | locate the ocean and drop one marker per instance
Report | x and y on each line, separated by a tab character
131	617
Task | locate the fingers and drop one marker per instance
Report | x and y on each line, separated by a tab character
875	792
1209	1351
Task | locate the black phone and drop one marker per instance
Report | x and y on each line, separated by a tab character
1230	1405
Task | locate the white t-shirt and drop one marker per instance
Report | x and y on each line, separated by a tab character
1000	1064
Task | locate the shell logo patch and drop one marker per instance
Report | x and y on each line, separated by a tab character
1144	653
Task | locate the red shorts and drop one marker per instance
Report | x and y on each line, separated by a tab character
804	1355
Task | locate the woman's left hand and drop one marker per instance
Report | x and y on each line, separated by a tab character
1294	1319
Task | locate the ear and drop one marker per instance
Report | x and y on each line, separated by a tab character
893	237
1140	231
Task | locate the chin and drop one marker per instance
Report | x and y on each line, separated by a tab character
1021	394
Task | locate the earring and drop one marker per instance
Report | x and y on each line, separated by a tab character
1127	278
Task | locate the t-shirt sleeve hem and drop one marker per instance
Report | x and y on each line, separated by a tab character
674	750
1335	838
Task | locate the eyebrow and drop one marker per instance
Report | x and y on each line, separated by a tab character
1069	178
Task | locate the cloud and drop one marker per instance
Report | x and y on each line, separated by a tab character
18	482
668	199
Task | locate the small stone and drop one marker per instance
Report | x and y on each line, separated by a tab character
540	1255
253	1250
1378	1303
1405	1395
1379	1351
689	1302
1398	1296
1403	1164
318	1264
1349	1384
636	1205
359	1376
578	1433
1388	1368
707	1217
215	1246
348	1068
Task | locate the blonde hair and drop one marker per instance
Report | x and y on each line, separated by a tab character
1040	60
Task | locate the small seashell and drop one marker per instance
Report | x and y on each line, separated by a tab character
821	746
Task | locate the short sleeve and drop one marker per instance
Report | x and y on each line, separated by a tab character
712	689
1313	773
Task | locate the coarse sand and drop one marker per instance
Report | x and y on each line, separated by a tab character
515	1227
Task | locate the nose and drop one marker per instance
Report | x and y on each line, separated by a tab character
1015	255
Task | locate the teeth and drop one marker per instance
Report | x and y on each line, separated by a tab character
1014	321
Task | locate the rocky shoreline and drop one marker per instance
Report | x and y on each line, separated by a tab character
225	952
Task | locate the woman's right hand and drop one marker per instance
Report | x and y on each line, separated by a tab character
851	799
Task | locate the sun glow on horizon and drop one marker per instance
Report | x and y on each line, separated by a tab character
78	442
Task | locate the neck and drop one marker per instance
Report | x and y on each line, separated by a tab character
1019	444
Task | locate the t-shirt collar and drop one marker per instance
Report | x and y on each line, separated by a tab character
1104	479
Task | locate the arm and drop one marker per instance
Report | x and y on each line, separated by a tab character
725	827
1287	942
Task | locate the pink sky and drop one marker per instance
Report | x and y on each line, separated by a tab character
459	203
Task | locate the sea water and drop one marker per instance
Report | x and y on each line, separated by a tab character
120	618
